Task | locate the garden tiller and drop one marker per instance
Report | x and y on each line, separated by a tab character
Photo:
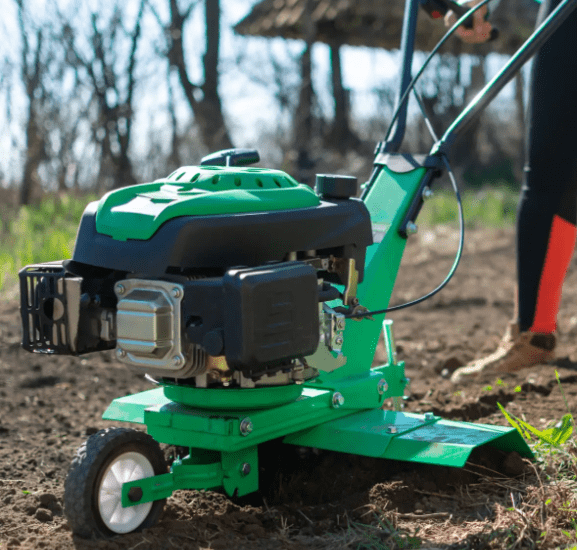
254	304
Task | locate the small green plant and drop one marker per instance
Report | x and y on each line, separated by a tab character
555	436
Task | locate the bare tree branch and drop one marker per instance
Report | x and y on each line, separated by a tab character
207	108
112	124
32	73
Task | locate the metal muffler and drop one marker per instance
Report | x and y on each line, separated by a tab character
149	329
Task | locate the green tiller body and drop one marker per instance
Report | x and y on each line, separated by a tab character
246	297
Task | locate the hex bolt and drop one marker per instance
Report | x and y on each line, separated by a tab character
427	193
176	292
340	324
383	386
429	417
120	289
120	353
338	400
412	228
392	430
246	426
245	468
177	360
339	340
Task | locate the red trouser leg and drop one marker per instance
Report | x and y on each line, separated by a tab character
557	259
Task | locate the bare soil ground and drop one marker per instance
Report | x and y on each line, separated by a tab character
49	405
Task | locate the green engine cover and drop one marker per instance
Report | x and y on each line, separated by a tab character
138	211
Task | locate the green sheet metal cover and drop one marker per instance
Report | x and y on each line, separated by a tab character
138	211
411	437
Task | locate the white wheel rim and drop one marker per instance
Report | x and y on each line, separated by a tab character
124	468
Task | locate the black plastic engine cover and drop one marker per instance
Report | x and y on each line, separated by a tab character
340	227
271	314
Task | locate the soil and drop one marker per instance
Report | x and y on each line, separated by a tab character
49	405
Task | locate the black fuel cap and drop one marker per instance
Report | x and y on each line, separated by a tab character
336	187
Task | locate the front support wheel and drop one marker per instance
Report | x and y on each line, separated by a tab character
92	491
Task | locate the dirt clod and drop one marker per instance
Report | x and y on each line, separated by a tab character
43	515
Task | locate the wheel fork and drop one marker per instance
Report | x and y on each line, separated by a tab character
236	472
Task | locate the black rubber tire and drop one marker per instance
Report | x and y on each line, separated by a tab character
87	469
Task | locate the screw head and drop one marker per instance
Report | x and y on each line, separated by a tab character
340	324
176	292
383	386
177	360
429	416
120	289
427	193
392	430
246	426
120	353
245	468
339	340
338	400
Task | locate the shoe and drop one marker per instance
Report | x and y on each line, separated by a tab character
517	350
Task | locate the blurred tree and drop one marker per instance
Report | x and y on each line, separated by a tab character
274	67
203	98
98	63
33	68
303	118
341	136
174	158
307	20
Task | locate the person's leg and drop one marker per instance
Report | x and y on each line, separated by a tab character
547	208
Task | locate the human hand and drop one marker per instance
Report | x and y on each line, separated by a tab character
481	30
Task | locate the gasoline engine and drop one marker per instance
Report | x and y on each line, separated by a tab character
216	276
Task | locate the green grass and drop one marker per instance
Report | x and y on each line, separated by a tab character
490	207
34	234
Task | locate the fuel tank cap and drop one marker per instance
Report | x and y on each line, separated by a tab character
336	187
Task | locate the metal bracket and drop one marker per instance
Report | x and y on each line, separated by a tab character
334	328
329	355
352	276
237	472
389	340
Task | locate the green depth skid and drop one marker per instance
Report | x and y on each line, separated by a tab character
340	410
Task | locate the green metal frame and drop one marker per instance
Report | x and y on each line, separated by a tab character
340	410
